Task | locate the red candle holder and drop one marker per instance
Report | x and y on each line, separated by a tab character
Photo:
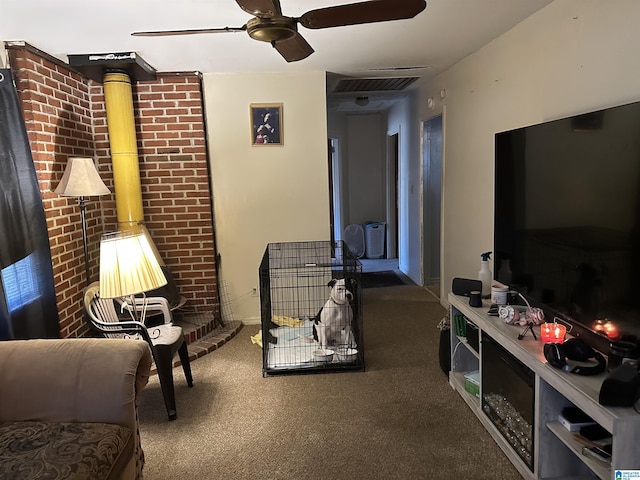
552	332
598	326
611	330
607	328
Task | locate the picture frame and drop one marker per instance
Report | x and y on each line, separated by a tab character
266	124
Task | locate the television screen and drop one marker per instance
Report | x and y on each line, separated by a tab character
567	218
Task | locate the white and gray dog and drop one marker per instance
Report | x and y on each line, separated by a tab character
332	325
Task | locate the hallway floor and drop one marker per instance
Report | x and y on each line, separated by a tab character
391	264
379	265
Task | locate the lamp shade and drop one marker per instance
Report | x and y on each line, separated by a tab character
81	179
128	264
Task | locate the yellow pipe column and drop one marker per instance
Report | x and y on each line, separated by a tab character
124	148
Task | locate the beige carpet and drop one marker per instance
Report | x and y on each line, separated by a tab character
399	419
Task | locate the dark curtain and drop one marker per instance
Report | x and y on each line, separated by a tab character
27	299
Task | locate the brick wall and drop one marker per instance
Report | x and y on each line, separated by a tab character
65	116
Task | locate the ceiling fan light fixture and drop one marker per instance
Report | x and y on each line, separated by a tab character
362	101
272	30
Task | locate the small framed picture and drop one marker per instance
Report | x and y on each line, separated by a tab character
266	124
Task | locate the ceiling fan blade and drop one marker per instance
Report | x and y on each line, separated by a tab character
261	8
294	49
362	12
163	33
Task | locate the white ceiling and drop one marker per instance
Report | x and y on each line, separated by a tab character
443	34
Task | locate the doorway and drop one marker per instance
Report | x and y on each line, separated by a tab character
335	191
431	202
393	155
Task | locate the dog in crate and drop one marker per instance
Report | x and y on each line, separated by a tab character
332	325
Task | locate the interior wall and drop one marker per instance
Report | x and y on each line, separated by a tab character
265	194
571	57
403	118
431	199
337	129
366	167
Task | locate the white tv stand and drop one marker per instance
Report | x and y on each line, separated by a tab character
556	454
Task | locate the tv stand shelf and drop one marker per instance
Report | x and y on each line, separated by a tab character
555	452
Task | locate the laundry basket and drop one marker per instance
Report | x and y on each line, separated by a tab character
374	234
354	238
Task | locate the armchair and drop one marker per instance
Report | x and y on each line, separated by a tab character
68	408
164	340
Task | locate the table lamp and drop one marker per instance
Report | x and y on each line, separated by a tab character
128	266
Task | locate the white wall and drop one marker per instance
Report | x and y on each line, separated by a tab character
571	57
366	172
265	194
403	120
337	129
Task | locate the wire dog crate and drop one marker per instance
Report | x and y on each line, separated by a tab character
295	280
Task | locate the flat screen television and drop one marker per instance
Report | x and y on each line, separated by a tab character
567	220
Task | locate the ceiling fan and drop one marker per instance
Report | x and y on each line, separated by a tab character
270	25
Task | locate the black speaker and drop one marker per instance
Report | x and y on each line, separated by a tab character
464	286
621	388
574	349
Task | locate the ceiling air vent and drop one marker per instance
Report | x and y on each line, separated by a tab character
373	84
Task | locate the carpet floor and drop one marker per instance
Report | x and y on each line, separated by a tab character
399	419
381	279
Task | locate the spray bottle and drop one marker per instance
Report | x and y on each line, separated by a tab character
484	275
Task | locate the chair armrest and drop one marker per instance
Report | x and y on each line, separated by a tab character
73	379
154	304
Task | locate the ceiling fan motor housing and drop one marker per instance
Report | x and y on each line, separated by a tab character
274	29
